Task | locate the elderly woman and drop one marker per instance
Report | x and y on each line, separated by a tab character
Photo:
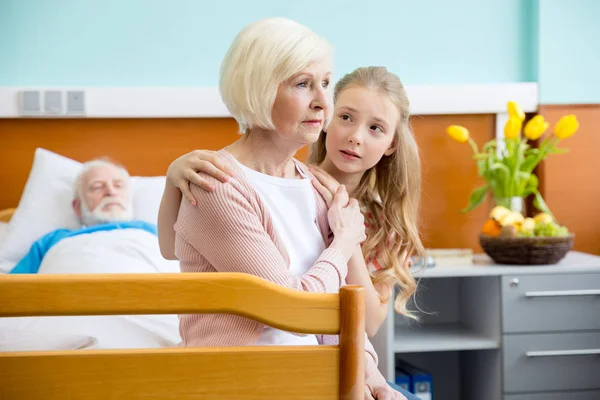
268	220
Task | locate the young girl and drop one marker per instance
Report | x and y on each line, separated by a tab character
369	148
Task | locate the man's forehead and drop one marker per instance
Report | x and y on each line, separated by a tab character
104	173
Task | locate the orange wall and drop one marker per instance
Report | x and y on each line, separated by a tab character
570	181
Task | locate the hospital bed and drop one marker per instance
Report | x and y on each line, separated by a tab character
262	372
168	372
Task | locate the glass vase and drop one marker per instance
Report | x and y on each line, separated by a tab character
515	203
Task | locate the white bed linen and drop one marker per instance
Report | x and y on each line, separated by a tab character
117	251
5	266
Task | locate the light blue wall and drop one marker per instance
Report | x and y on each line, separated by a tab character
569	51
181	42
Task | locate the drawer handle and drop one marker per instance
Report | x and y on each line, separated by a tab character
557	353
563	293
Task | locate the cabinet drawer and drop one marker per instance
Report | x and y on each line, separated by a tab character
587	395
552	361
542	303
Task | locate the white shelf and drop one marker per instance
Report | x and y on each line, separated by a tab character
574	262
440	337
206	102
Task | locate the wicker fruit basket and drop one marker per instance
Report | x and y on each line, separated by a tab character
526	250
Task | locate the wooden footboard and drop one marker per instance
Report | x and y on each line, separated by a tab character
262	372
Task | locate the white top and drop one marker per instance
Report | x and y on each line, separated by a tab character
291	203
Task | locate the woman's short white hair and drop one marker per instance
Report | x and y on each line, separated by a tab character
88	166
263	55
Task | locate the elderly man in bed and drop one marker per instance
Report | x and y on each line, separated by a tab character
109	240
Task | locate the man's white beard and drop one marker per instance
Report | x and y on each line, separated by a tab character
98	216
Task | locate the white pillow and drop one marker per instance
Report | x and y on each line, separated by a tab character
45	204
147	193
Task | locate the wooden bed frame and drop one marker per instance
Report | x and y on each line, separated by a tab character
259	372
6	214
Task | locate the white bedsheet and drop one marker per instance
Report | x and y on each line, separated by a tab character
118	251
5	266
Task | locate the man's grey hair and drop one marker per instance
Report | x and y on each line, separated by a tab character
88	166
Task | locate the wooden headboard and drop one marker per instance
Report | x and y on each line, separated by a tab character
6	214
147	147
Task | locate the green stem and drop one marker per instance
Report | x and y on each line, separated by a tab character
544	148
518	162
473	145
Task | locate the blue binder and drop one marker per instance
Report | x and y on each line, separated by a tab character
421	382
402	379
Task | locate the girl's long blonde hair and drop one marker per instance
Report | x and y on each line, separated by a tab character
391	190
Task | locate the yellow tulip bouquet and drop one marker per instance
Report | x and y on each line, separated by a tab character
508	168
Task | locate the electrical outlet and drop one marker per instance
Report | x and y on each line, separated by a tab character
53	102
30	102
76	102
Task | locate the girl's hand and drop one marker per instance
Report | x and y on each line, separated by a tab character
185	169
346	222
324	183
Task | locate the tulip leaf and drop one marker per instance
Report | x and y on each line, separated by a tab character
476	198
531	185
489	145
558	150
530	163
499	166
522	178
482	167
502	171
540	204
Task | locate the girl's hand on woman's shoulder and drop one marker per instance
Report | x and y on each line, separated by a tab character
325	184
185	169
